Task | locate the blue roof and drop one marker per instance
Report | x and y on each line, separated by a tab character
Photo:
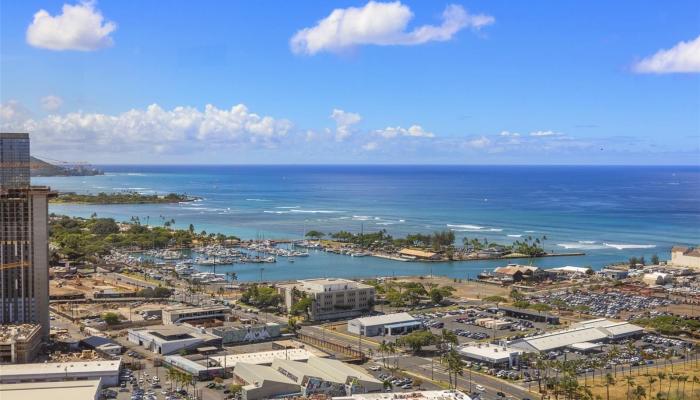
94	341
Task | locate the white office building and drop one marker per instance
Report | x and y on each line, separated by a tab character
380	325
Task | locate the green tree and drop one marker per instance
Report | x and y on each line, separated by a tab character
110	318
416	340
315	234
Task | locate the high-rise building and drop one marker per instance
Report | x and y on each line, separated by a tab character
24	238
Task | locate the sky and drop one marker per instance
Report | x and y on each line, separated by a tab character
319	82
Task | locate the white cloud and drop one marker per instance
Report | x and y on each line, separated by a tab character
153	128
344	121
509	134
79	27
380	24
51	103
478	143
545	133
683	57
370	146
412	131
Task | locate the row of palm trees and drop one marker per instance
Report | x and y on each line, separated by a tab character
180	379
445	344
565	381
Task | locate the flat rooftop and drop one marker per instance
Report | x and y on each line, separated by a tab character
11	333
387	319
424	395
186	309
102	366
263	357
70	390
328	285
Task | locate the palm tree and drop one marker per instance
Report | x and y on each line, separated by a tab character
679	379
383	348
609	380
692	385
630	382
639	393
650	381
671	378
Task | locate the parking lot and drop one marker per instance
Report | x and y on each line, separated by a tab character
463	323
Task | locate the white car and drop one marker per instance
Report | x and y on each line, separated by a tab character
374	368
480	388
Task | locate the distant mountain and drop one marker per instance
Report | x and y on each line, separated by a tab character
42	168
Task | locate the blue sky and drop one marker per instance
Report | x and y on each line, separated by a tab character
489	82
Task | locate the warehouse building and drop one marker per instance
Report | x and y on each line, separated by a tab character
107	372
230	361
102	345
201	371
262	382
176	315
247	333
388	325
322	376
592	331
70	390
169	339
530	315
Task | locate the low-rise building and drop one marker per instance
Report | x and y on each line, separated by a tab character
493	323
418	395
169	339
204	370
107	372
331	298
176	315
83	390
616	274
417	254
682	256
389	324
102	345
230	361
494	355
247	333
322	376
517	273
262	382
531	315
19	343
593	331
657	278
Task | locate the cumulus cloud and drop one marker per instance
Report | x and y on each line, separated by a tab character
681	58
381	24
370	146
79	27
545	133
509	134
153	127
412	131
344	122
51	103
478	143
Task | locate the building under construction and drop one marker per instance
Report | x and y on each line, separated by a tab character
24	240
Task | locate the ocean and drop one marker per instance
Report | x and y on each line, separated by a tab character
609	212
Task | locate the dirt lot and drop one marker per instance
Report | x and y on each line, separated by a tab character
467	290
677	389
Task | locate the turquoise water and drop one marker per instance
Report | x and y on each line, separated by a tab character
610	213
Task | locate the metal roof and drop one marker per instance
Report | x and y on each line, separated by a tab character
387	319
